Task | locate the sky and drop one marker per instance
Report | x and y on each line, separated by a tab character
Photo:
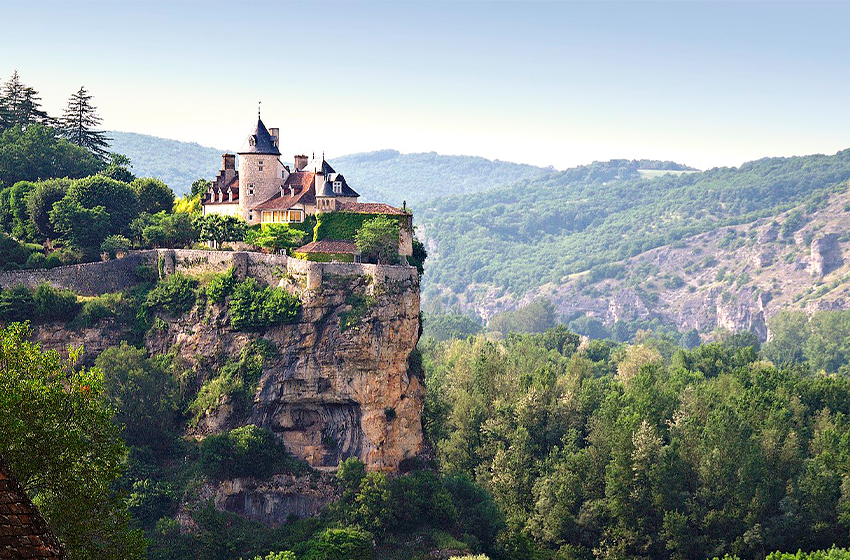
551	83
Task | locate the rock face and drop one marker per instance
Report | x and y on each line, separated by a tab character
825	254
340	384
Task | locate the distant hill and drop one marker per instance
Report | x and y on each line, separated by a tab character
386	175
694	249
393	177
176	163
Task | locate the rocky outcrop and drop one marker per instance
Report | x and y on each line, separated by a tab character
94	340
825	254
339	385
272	501
626	305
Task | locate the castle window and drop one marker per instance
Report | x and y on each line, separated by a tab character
338	187
260	166
250	216
296	216
267	216
250	190
252	141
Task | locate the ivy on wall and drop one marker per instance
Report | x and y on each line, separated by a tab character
342	225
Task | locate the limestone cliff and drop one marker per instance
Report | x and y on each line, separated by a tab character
339	384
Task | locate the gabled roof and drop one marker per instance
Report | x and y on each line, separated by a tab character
232	186
339	246
23	532
262	142
369	208
327	188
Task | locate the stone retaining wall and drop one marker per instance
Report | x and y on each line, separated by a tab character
90	279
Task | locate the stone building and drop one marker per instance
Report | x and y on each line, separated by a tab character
261	189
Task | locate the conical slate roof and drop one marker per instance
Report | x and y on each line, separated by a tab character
259	142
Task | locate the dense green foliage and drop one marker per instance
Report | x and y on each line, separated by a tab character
542	230
275	237
377	240
246	451
448	326
219	228
56	433
253	307
339	225
38	153
535	317
175	294
643	451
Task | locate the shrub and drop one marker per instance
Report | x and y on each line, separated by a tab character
17	304
36	260
340	544
221	286
246	451
115	244
174	295
55	304
253	307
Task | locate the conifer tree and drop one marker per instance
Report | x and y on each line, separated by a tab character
20	105
79	122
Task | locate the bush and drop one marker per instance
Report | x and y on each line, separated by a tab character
115	244
36	260
340	544
174	295
253	307
221	286
17	304
246	451
53	304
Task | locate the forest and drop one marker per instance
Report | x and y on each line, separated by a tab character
542	230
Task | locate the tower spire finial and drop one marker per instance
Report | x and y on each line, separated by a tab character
258	109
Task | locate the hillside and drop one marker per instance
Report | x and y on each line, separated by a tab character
177	163
604	220
393	177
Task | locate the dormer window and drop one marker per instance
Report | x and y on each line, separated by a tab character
252	141
250	190
337	187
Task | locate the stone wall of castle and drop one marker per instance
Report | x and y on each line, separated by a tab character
90	279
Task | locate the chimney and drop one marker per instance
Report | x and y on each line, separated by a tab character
228	161
300	162
275	134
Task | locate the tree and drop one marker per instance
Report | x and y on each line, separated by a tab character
57	435
142	394
119	200
275	237
37	153
20	105
378	240
114	244
154	195
40	202
79	122
82	228
200	187
218	229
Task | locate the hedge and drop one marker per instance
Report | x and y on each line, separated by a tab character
342	225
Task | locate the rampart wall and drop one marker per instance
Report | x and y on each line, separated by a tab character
90	279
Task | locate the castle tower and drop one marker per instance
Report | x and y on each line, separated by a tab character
261	173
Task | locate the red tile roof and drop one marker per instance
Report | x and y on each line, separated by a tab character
302	181
233	185
368	208
329	246
23	532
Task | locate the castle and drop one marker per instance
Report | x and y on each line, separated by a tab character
263	190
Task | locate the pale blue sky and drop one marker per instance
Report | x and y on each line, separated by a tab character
552	83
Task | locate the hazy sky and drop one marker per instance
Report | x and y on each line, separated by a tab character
545	83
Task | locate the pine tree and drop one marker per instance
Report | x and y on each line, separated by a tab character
78	124
20	105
